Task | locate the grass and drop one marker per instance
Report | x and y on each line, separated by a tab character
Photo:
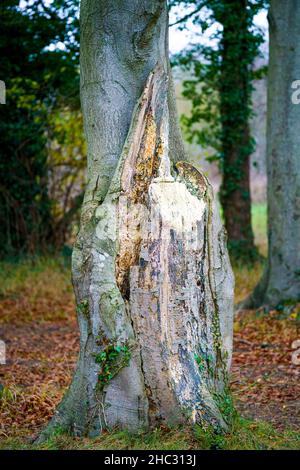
259	224
37	289
247	276
245	435
24	273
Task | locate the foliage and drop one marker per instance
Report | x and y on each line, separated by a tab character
6	395
112	359
224	399
204	362
40	77
206	62
66	172
220	90
226	406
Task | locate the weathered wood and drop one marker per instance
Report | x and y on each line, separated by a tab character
152	280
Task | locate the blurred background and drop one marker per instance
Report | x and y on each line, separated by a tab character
42	158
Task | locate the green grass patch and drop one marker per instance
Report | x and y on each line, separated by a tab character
245	435
36	289
259	224
15	275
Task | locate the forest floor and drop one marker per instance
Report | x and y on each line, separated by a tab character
38	326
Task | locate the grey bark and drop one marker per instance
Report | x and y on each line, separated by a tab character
121	42
281	278
151	272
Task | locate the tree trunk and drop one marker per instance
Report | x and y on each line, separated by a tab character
151	272
236	141
281	279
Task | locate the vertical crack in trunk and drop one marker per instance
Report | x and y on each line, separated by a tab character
161	219
153	285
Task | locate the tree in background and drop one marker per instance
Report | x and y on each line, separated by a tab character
40	78
151	273
281	280
220	93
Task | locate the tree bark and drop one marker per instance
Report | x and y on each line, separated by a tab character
121	42
151	274
281	279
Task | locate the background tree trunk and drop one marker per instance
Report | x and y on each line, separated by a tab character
236	141
152	278
281	279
